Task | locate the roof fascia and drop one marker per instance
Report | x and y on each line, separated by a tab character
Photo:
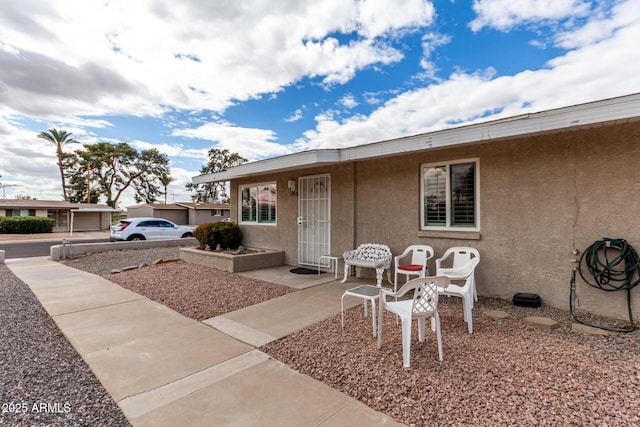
600	113
282	163
595	114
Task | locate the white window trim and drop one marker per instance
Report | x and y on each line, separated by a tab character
256	222
448	226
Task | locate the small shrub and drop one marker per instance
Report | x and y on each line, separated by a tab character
212	234
202	233
228	235
26	224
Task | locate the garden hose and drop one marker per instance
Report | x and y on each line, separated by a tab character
610	265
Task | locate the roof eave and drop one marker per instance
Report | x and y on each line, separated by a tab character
294	161
611	111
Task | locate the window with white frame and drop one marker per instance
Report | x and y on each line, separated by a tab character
450	196
258	203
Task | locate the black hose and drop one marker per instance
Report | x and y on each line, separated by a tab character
610	265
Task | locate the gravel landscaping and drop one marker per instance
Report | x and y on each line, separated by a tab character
197	291
43	380
506	373
192	290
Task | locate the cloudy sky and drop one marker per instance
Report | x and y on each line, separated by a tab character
266	78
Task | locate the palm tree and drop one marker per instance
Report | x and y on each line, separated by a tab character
59	138
165	180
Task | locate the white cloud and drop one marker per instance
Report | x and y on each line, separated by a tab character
64	62
601	26
348	101
586	74
28	162
250	143
172	150
505	14
297	115
380	17
431	42
139	57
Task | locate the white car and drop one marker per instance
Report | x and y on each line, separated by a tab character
148	229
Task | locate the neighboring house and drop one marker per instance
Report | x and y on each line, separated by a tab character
67	216
185	213
526	191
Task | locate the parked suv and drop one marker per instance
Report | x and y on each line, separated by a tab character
148	229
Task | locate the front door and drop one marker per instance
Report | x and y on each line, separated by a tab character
314	219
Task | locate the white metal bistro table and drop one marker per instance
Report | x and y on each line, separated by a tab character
333	262
366	293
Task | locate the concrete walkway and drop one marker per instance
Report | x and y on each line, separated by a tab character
164	369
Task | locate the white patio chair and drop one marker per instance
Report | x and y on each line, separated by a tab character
465	291
416	265
461	256
422	305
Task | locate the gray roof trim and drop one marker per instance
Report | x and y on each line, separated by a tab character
611	111
55	204
76	210
294	161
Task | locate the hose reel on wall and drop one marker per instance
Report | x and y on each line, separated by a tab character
610	265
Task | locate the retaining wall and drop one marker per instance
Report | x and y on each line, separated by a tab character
59	252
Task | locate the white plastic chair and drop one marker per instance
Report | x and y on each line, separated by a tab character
417	265
423	305
465	291
461	256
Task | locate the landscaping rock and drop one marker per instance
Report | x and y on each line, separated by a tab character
541	322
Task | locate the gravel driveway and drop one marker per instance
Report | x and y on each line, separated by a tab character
506	373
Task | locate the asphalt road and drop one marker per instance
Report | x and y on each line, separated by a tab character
28	249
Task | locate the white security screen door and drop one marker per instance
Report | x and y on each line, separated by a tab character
314	219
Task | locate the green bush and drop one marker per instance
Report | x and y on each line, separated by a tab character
25	224
201	233
212	234
228	235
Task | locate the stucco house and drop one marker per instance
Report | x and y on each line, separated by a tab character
183	213
67	216
526	191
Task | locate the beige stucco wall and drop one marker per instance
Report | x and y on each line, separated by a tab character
202	216
179	215
540	198
284	235
140	211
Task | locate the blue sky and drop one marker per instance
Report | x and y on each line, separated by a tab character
269	78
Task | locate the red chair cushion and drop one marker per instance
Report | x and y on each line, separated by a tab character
410	267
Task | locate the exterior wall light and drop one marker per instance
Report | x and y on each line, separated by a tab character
291	184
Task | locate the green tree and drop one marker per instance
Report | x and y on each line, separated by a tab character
219	160
113	168
165	180
59	139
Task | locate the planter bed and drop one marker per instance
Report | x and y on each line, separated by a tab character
253	259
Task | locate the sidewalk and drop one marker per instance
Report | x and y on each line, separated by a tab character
164	369
54	237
